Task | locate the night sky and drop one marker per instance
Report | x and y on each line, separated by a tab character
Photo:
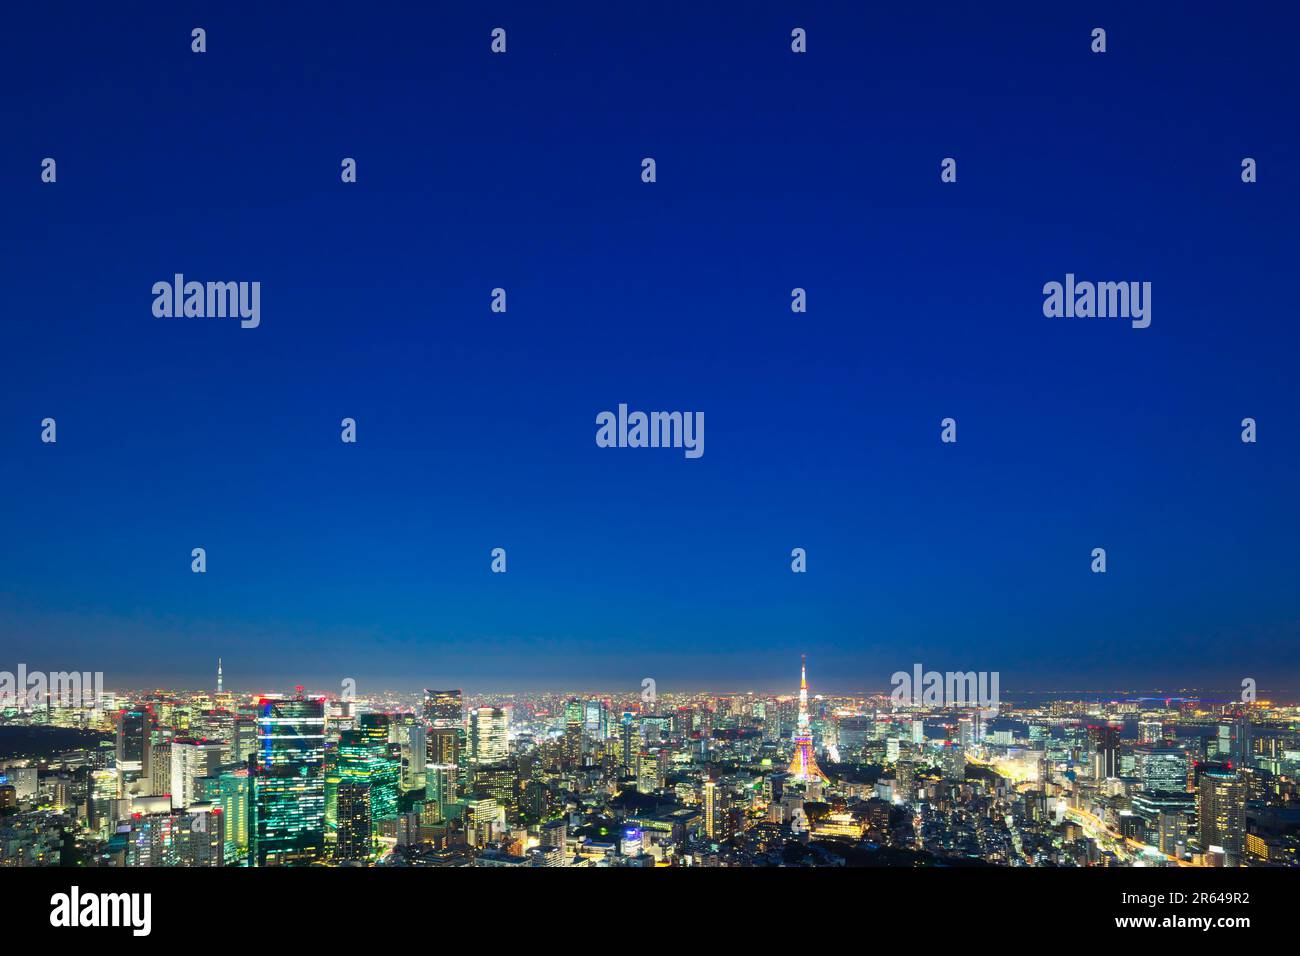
476	429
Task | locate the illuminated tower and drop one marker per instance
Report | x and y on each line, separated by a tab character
218	675
803	766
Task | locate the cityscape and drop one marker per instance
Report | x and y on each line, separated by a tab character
216	778
358	514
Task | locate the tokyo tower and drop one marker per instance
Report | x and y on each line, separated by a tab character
803	766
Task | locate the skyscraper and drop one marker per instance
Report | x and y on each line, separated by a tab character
288	783
364	760
488	736
415	755
574	738
232	795
596	721
648	777
443	746
1103	740
1221	811
1150	731
966	732
444	709
133	727
354	822
1160	768
627	733
192	760
441	785
712	815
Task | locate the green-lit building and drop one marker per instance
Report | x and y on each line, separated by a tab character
364	759
287	782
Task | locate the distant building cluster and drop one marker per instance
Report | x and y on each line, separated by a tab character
447	779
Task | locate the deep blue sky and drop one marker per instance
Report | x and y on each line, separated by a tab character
822	430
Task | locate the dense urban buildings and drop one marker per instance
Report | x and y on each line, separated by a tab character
447	778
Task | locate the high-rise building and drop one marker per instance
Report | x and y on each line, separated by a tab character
198	836
103	802
191	761
232	797
1171	832
158	764
489	737
1166	815
288	785
484	820
191	837
1245	747
1233	741
627	738
1221	812
905	780
712	810
966	732
364	760
1150	731
415	755
574	736
24	780
443	746
1103	740
952	761
375	728
444	709
596	722
441	785
355	826
648	775
133	729
1160	768
243	742
497	780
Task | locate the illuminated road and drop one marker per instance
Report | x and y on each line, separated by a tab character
1093	825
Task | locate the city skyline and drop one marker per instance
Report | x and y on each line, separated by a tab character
408	686
453	779
11	684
